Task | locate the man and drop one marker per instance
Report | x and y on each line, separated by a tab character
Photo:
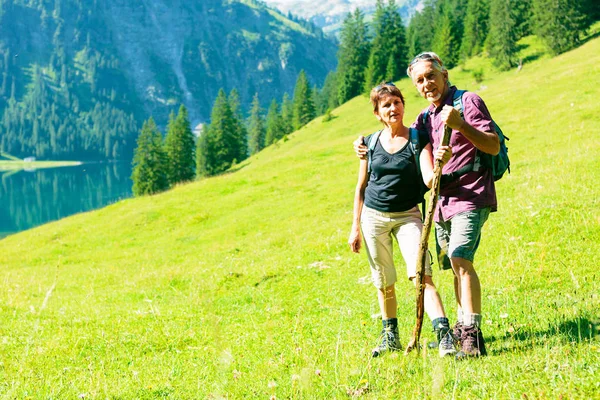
467	194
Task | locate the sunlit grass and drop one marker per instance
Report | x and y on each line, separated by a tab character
242	286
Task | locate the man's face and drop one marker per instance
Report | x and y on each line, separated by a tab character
431	83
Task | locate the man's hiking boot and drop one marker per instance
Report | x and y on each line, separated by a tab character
445	340
471	343
389	339
446	344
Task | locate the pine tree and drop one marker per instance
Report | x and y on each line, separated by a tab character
314	93
274	124
389	42
448	31
371	73
442	40
560	23
149	162
476	28
329	98
501	42
181	148
353	55
376	66
391	69
256	127
235	104
287	114
395	34
218	145
304	109
421	29
239	128
592	9
522	14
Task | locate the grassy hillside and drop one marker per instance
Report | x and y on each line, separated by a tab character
242	286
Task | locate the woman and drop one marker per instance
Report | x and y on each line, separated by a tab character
385	206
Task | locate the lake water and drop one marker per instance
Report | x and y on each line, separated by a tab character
32	198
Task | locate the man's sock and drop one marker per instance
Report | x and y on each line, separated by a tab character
440	324
390	322
472	320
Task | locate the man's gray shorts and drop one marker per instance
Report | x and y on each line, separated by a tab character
460	236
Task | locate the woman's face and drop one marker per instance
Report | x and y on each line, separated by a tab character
390	110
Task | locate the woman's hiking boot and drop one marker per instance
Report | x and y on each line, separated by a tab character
444	336
471	343
389	338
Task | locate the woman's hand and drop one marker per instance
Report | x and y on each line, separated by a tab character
443	153
355	240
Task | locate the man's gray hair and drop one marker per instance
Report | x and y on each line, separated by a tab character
435	60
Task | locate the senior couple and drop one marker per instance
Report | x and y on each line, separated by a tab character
389	189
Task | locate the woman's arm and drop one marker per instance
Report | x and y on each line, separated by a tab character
359	198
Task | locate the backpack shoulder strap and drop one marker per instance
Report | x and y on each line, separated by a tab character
414	143
457	101
371	147
373	140
416	149
425	116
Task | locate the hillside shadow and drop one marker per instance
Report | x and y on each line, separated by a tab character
591	37
520	47
532	57
577	330
235	169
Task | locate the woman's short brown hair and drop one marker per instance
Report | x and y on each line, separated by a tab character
382	90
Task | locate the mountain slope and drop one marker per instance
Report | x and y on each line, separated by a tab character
330	15
242	286
76	80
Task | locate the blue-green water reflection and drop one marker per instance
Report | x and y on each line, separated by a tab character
31	198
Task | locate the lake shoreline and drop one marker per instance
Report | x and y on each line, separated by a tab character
6	165
32	197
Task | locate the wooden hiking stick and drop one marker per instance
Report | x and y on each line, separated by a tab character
421	256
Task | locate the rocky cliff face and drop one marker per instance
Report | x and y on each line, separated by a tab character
184	51
145	57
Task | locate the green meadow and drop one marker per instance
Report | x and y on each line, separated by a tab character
242	286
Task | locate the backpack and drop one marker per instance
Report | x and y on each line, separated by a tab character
416	150
498	164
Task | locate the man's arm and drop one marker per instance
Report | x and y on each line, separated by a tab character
360	149
488	142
